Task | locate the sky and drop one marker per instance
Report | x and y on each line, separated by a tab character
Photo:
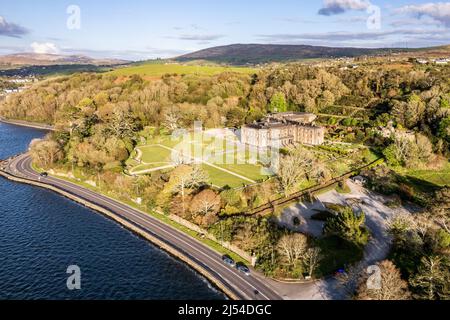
147	29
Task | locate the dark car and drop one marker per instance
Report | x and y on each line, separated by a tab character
244	269
44	174
228	261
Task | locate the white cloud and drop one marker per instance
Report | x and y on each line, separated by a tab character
332	7
200	37
439	11
45	48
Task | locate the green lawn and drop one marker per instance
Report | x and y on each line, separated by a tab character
221	179
160	69
154	156
440	178
250	171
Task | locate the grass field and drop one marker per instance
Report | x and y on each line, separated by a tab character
159	69
225	167
221	179
155	154
439	178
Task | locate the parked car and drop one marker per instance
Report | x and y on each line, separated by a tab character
229	261
44	174
244	269
340	272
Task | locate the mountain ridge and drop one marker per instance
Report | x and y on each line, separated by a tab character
241	54
27	58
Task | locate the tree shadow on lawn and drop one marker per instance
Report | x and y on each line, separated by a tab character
421	185
337	253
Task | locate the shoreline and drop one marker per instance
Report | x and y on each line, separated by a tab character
28	124
216	280
131	227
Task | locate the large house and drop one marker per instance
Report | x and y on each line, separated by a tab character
283	129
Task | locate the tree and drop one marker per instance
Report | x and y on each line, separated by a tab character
45	152
409	113
397	153
278	103
293	167
410	151
206	204
122	125
171	119
235	117
441	208
432	280
392	287
424	149
444	129
292	247
348	225
311	259
185	179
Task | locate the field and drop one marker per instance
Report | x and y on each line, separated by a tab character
156	70
225	163
225	160
435	178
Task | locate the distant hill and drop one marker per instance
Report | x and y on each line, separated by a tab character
241	54
35	59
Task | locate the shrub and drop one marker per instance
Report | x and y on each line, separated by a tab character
349	226
343	187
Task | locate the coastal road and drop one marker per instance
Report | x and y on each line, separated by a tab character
243	287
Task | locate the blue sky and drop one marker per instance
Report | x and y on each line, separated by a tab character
139	29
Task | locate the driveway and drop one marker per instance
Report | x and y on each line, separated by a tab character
377	216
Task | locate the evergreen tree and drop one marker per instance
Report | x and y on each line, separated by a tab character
348	225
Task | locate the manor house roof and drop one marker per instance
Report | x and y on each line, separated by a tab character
284	120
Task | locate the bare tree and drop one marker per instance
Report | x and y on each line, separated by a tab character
431	280
401	222
392	287
45	152
122	125
292	247
312	259
293	169
402	147
205	202
186	178
171	120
